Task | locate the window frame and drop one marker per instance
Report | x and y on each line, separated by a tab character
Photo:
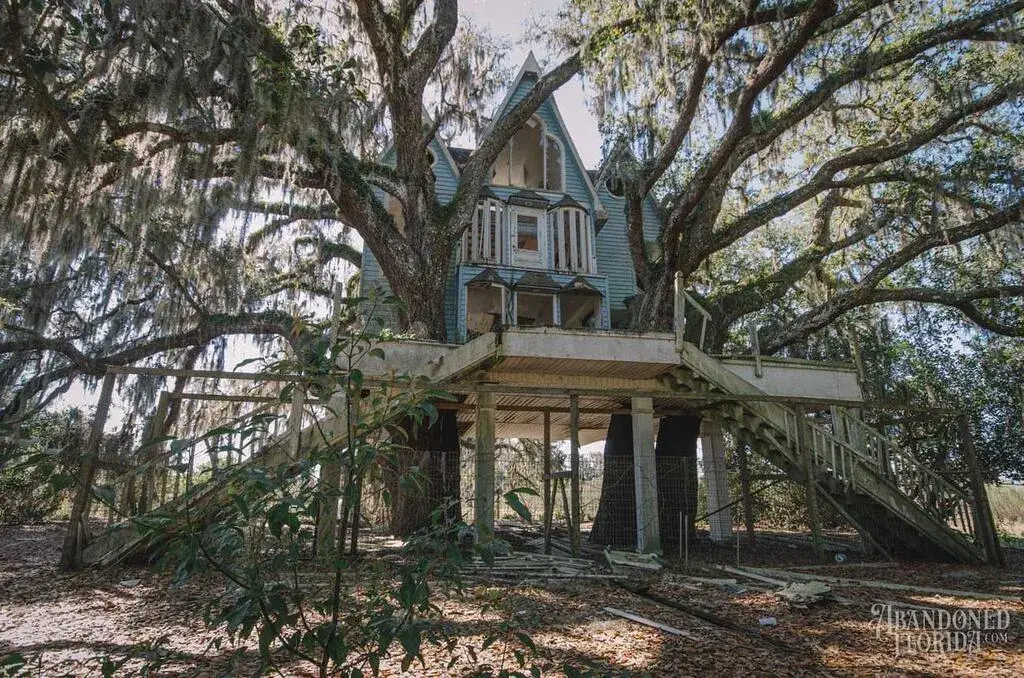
535	258
545	134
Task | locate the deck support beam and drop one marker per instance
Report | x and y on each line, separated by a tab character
548	504
984	524
329	483
806	454
78	526
648	535
716	474
483	509
574	467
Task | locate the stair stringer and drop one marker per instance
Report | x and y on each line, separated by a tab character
858	479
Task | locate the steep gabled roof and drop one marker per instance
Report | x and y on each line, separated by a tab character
531	67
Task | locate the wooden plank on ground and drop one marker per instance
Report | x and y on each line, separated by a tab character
649	622
872	584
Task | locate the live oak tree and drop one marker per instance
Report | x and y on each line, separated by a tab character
167	132
156	153
812	159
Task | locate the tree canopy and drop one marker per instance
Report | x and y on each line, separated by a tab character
812	158
175	173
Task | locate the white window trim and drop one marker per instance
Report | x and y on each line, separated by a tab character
542	235
544	135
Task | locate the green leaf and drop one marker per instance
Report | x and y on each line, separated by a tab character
409	637
526	640
11	664
517	505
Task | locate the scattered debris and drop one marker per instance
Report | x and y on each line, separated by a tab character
649	622
841	581
705	615
804	593
129	583
767	621
751	575
535	566
622	561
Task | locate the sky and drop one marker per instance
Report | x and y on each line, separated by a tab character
507	19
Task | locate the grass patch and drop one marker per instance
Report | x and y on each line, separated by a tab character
1007	503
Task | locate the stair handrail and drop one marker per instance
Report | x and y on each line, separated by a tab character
682	297
893	448
881	463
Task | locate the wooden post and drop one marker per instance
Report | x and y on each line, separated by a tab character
984	523
295	423
716	477
548	504
78	528
158	451
748	501
679	317
755	348
574	467
483	508
329	482
811	484
645	480
147	495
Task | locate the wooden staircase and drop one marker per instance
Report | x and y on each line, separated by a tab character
906	508
126	540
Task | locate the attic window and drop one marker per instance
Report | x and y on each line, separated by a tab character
615	187
531	159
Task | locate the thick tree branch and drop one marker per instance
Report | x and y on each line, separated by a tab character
865	291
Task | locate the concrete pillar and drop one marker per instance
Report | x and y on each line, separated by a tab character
648	536
483	509
712	445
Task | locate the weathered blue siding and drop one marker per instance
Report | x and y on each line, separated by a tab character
614	276
467	272
613	255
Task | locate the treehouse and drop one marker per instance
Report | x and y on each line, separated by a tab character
546	247
535	312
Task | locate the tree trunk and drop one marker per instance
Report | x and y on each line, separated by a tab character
434	452
653	310
675	455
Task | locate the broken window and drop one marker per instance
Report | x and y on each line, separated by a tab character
484	309
535	309
553	165
531	159
580	310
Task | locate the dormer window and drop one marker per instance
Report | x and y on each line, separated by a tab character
531	159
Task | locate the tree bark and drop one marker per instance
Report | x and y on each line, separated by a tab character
675	454
435	453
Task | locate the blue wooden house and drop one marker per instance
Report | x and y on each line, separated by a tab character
547	246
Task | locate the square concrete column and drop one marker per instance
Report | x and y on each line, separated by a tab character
648	536
712	444
483	508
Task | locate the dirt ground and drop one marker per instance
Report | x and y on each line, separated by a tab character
65	624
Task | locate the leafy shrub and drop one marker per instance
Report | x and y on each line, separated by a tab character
38	460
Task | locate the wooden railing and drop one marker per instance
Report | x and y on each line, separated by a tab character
854	448
679	321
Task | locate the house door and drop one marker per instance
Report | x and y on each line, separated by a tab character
528	239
